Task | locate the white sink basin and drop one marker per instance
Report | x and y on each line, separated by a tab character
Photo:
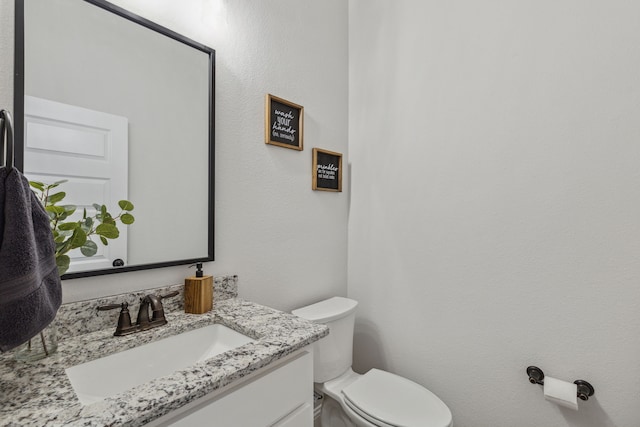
113	374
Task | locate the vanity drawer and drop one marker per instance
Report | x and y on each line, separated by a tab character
299	417
276	396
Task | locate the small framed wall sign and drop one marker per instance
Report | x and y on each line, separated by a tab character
283	123
327	170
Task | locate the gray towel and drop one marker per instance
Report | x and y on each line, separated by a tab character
30	288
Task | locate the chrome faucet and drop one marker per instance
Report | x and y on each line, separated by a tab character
143	322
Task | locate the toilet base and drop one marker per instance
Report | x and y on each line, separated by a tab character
334	413
333	416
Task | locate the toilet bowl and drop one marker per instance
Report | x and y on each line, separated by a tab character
374	399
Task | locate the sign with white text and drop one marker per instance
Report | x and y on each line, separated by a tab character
283	123
327	170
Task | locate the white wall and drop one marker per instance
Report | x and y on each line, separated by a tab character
495	202
286	242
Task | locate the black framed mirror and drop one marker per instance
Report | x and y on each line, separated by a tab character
118	107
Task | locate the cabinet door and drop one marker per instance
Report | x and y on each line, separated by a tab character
268	399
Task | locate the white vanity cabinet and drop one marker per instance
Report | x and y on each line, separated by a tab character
279	395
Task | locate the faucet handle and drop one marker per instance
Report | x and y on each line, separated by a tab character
124	320
158	312
169	295
108	307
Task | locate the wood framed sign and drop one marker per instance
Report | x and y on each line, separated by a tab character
327	170
283	123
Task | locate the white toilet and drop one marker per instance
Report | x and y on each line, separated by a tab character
375	399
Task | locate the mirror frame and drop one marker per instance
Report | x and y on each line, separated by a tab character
18	108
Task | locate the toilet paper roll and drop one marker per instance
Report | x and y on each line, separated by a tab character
561	392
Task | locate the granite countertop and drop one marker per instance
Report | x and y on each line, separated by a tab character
40	393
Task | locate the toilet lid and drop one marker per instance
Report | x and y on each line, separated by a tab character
388	399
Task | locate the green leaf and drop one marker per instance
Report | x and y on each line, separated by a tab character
104	241
66	233
79	238
89	248
58	210
62	261
88	222
97	207
125	205
68	226
55	198
37	185
127	219
55	184
61	247
69	209
109	231
103	211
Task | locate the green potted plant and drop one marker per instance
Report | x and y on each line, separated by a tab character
74	234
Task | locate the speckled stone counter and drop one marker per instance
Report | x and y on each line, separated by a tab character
40	393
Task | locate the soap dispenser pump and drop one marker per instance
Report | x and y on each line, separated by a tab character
198	292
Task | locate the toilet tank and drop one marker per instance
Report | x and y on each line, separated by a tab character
333	354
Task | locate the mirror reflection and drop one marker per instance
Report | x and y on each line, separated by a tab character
121	111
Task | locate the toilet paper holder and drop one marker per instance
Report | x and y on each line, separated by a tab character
585	390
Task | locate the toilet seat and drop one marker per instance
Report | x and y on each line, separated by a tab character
388	400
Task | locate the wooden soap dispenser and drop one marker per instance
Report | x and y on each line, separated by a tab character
198	292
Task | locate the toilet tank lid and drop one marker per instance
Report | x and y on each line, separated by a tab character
327	310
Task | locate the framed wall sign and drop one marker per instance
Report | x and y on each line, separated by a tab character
327	170
283	123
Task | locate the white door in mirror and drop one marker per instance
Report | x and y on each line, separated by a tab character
87	148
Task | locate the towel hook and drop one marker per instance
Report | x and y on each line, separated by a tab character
6	127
